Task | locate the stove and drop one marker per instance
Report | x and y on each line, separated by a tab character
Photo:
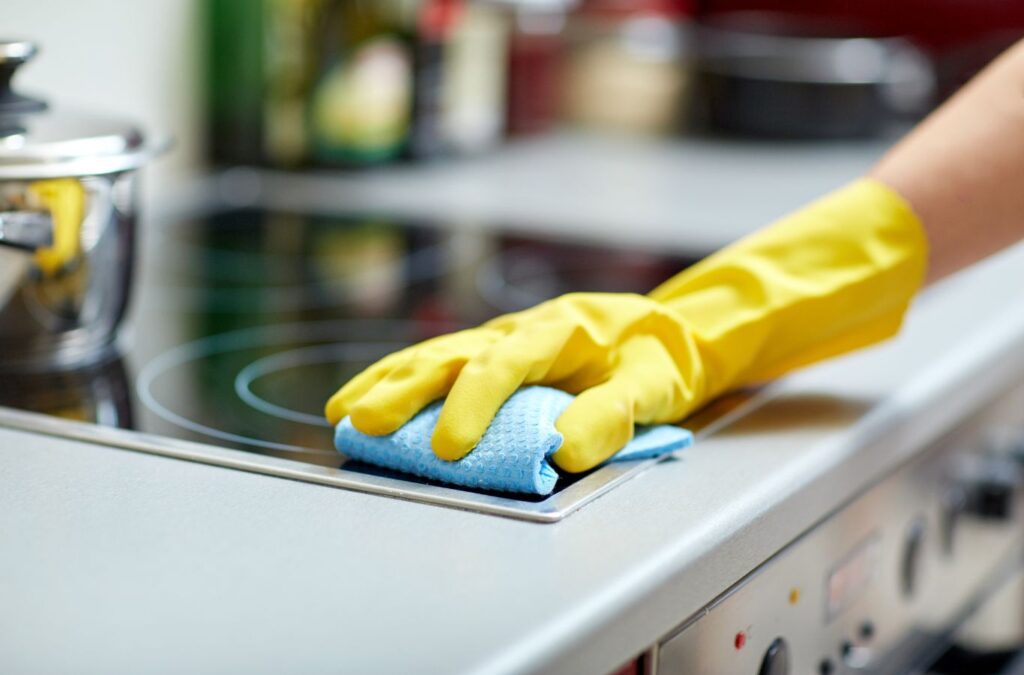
247	320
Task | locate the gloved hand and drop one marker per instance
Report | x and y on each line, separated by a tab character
630	358
835	276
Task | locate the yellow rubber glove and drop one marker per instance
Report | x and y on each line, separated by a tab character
837	275
64	198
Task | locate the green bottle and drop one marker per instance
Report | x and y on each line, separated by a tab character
235	80
360	110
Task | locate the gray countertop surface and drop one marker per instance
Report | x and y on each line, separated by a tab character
119	561
692	195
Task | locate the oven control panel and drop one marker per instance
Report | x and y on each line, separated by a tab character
875	586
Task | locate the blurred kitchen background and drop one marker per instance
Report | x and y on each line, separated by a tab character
416	86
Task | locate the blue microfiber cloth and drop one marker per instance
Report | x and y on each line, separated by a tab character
513	454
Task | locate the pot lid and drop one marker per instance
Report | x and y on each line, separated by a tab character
38	141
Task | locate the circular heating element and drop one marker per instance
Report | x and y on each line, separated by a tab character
265	387
285	363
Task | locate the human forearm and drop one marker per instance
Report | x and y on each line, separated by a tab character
962	169
834	276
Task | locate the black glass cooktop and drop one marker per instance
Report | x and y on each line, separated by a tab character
246	321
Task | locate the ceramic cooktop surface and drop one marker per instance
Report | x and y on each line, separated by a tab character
246	321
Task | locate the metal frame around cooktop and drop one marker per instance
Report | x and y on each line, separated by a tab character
552	509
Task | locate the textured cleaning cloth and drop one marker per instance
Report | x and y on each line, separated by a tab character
511	456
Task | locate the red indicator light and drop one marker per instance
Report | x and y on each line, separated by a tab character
740	640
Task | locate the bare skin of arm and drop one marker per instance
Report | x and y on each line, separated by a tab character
962	169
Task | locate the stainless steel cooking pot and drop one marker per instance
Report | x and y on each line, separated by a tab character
68	200
772	75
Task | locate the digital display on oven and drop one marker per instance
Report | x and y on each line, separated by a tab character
851	576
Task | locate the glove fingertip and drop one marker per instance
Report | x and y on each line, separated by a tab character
587	443
334	409
570	459
451	444
372	421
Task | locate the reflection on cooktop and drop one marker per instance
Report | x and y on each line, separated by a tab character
99	393
248	320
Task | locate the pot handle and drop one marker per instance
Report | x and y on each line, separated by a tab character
28	230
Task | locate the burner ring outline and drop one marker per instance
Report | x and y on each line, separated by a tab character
247	337
300	356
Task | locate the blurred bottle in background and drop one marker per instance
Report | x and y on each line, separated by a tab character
436	20
627	66
291	56
475	71
361	103
535	53
235	77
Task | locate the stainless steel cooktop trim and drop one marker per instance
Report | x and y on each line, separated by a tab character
552	509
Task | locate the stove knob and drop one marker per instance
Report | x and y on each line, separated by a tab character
776	659
910	560
992	489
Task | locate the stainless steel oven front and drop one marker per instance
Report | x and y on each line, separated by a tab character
918	574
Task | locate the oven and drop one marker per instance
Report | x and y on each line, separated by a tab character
920	573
